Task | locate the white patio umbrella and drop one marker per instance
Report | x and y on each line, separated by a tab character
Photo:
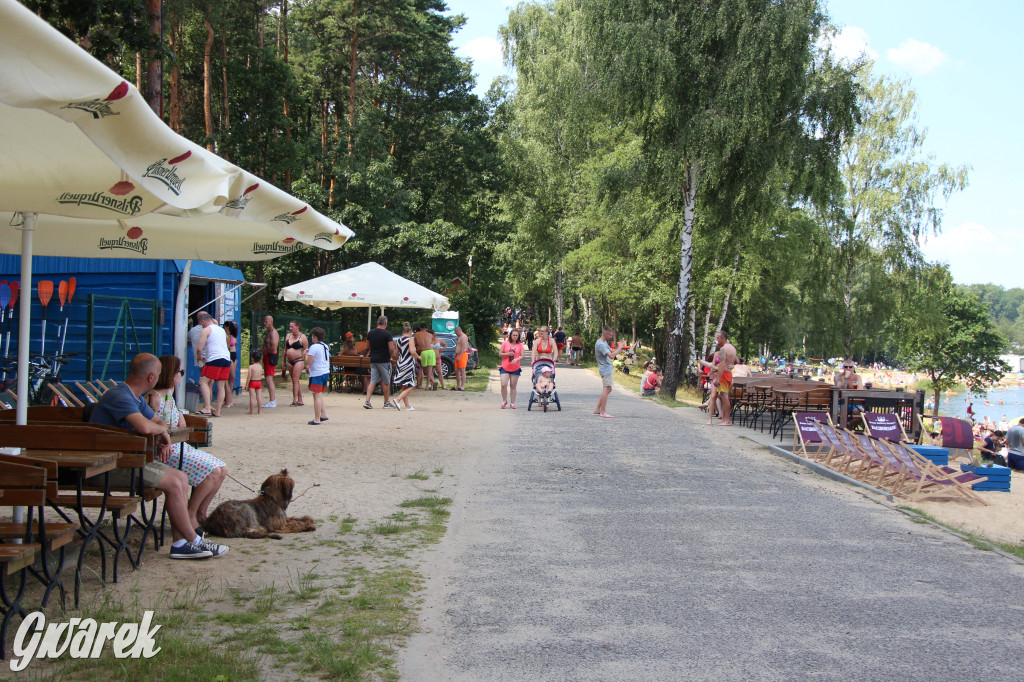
366	285
88	170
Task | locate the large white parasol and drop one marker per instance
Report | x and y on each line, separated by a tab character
369	284
87	169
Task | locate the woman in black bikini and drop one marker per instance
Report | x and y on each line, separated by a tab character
295	346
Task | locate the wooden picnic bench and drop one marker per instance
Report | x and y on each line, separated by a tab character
347	366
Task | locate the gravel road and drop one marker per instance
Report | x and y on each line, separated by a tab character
652	547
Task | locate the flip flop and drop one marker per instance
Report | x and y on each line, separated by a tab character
313	423
204	414
323	419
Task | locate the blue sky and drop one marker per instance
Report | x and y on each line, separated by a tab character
963	61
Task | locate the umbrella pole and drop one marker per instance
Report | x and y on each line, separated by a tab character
25	322
369	315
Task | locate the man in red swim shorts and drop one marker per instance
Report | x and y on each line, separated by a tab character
461	359
723	375
271	339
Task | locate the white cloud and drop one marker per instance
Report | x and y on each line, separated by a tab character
917	57
850	43
963	242
483	51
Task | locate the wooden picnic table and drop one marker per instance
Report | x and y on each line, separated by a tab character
83	464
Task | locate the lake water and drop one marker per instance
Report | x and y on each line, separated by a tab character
955	404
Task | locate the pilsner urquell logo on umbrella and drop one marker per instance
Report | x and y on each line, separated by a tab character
241	201
288	245
292	217
100	108
129	242
129	206
166	171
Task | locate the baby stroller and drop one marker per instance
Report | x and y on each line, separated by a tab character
543	398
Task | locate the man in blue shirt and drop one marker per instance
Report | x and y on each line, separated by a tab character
605	354
125	406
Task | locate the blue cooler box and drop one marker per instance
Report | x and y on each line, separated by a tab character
998	477
933	453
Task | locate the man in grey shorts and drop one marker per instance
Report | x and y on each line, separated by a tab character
125	406
382	349
605	354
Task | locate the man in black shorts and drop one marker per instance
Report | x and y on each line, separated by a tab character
382	349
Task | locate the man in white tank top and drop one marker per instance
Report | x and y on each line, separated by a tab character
216	359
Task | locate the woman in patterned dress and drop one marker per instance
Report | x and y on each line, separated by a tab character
204	471
406	374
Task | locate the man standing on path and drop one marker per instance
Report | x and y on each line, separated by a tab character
461	358
605	354
425	348
560	341
723	376
216	358
382	349
1015	445
271	340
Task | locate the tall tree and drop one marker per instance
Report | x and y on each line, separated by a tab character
891	188
951	338
722	94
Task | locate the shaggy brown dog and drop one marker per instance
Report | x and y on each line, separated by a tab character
262	517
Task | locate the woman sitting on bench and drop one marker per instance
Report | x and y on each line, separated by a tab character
204	471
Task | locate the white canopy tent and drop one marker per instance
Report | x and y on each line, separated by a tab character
88	170
366	285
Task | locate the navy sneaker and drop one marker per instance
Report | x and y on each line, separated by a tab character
190	551
212	547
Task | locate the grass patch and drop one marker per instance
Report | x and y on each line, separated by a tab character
477	379
975	539
419	475
342	618
185	652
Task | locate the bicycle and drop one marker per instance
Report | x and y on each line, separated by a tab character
44	372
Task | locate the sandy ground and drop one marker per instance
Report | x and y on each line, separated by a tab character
358	460
361	459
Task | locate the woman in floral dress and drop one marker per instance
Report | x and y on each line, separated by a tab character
406	373
204	471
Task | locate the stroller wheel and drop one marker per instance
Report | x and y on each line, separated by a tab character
545	407
558	402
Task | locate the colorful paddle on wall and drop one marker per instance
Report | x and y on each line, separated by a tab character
70	291
15	288
5	297
45	290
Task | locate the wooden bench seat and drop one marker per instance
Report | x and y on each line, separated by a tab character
115	505
17	557
57	534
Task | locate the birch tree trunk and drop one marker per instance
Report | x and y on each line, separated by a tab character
559	296
707	324
725	303
693	330
674	350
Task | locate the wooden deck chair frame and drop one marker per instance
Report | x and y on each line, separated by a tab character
931	481
88	391
802	446
953	452
64	393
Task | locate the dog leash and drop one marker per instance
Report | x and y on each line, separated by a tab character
260	492
257	492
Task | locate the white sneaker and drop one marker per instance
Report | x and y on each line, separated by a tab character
270	403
